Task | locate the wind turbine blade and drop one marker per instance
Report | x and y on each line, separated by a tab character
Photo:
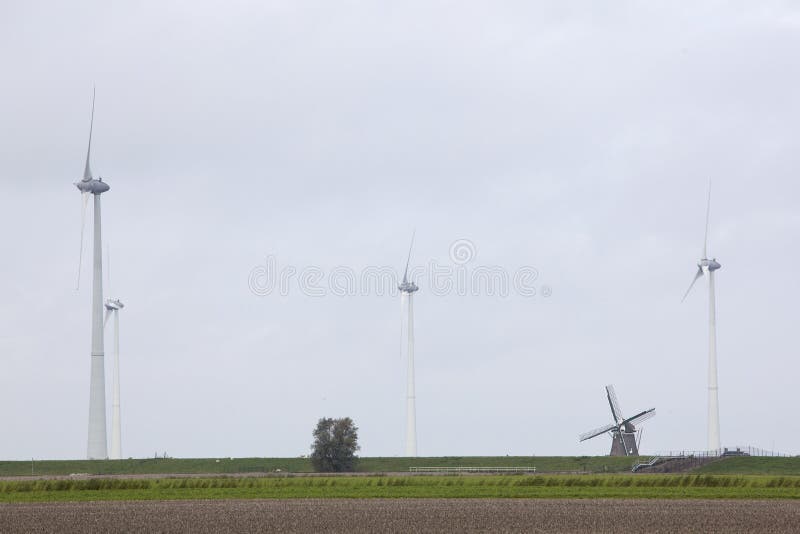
708	212
87	172
408	260
596	432
105	321
85	199
402	322
108	269
696	276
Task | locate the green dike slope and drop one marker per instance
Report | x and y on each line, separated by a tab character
543	464
743	465
519	486
548	464
753	465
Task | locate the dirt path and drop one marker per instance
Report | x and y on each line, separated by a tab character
405	515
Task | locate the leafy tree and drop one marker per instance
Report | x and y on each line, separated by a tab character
335	445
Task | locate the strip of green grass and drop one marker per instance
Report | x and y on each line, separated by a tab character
143	466
539	486
755	465
543	464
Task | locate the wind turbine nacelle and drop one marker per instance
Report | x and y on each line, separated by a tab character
92	186
408	287
711	265
114	304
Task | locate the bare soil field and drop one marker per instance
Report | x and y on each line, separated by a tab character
405	515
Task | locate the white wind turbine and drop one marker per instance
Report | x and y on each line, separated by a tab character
97	444
710	266
113	306
407	290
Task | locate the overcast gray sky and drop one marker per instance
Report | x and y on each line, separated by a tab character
576	138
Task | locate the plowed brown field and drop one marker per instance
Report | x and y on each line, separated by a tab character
405	515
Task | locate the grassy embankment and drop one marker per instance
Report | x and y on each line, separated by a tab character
753	465
549	464
518	486
745	465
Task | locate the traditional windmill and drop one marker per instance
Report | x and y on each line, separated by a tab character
623	432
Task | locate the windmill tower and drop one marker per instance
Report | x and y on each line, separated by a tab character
113	306
709	266
88	186
407	290
623	430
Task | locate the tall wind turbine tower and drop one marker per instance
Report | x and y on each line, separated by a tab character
113	306
710	266
407	290
97	445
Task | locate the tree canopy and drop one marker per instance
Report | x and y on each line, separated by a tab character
335	445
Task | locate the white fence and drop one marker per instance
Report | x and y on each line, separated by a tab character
472	469
744	450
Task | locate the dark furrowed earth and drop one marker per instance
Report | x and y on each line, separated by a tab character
405	515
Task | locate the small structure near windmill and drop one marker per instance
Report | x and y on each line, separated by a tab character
625	438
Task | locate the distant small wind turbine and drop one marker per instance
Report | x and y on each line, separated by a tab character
407	290
113	306
97	445
710	266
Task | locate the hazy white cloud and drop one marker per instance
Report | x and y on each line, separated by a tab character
576	138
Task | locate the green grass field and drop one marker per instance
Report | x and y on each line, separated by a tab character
515	486
593	464
754	465
751	465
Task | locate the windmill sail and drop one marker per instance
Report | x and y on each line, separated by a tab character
614	403
596	432
641	417
622	430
